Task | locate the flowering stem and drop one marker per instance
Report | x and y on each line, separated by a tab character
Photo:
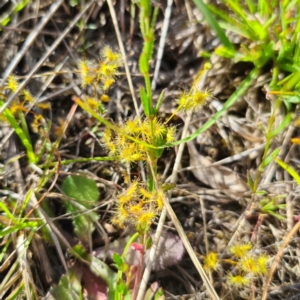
174	113
138	277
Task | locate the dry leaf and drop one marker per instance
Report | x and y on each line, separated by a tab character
218	177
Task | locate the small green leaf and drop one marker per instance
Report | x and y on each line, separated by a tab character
261	193
289	169
286	121
81	188
69	288
148	242
11	229
168	186
19	131
268	159
161	96
73	2
80	251
278	216
225	52
250	181
118	260
21	5
121	287
5	21
145	102
159	294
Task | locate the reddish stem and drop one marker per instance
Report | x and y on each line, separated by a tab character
138	277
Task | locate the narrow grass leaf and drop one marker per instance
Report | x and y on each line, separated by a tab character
286	121
268	159
145	101
278	216
213	24
251	6
291	83
289	169
218	12
4	249
250	182
5	209
27	225
25	141
25	202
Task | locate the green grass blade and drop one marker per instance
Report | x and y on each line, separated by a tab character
23	137
264	8
291	83
213	24
5	209
224	16
27	225
289	169
266	161
253	26
252	7
236	29
286	121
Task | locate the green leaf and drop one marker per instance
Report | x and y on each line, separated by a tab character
286	121
278	216
85	191
118	260
159	294
225	52
11	229
73	2
250	181
268	159
213	24
145	102
21	5
291	83
289	169
261	193
80	251
68	288
99	268
121	288
81	188
161	96
19	131
5	21
4	208
168	186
